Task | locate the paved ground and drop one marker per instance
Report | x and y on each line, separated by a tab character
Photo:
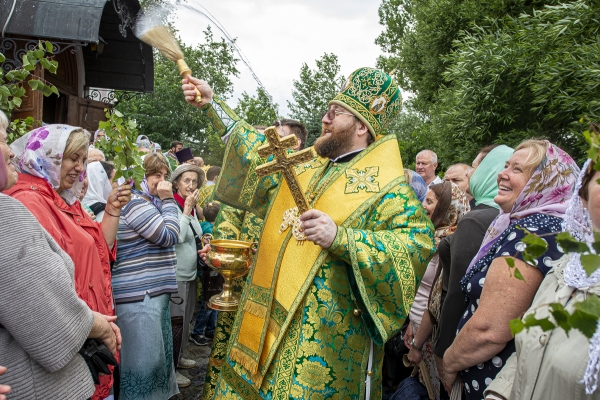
200	354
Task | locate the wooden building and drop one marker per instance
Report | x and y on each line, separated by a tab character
96	50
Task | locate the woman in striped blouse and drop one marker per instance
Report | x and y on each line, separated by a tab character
143	279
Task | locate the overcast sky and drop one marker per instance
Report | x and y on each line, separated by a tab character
278	36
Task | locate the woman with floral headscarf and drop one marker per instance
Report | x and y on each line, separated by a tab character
555	364
533	193
143	280
445	203
52	162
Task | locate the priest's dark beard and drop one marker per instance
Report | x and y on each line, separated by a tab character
337	143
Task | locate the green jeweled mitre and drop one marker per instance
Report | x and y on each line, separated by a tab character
371	95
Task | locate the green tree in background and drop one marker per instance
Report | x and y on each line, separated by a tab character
412	130
417	34
531	76
165	116
313	91
259	109
12	85
498	71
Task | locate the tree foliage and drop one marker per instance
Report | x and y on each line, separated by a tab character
120	146
531	76
313	91
496	71
165	116
418	34
12	85
259	109
411	127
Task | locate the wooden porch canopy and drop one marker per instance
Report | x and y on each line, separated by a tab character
94	46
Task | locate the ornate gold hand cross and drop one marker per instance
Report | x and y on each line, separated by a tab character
285	163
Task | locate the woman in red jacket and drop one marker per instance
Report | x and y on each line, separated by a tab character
52	162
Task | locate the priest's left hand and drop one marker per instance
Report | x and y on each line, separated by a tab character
319	228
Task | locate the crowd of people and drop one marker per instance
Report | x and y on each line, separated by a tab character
420	260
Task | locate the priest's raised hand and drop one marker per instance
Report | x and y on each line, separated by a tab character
187	85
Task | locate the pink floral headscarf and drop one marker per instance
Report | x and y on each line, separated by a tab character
547	192
40	153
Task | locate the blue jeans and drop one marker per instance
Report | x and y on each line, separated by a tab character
206	321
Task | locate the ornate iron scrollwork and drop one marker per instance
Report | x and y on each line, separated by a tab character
103	95
14	54
127	20
111	96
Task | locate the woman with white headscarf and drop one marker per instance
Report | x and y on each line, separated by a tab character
52	162
99	188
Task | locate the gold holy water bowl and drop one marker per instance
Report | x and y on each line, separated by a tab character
232	259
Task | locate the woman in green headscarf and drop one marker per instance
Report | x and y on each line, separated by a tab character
483	177
456	251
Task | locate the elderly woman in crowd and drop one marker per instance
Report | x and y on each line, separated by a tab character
554	364
143	280
445	203
186	180
100	175
533	192
457	251
43	323
52	161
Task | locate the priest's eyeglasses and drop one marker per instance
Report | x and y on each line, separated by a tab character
331	114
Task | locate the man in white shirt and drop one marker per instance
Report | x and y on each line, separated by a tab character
426	165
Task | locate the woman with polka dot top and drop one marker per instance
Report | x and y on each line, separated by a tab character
533	194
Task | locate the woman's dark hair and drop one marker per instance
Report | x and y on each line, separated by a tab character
486	150
443	192
108	168
585	182
210	211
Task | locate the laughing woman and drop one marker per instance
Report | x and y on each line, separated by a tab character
554	365
533	192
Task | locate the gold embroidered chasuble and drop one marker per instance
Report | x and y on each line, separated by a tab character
205	195
231	224
308	315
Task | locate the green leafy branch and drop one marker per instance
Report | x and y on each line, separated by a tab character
12	85
587	312
19	127
536	246
584	318
119	146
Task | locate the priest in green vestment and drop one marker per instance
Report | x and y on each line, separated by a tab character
315	314
234	224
